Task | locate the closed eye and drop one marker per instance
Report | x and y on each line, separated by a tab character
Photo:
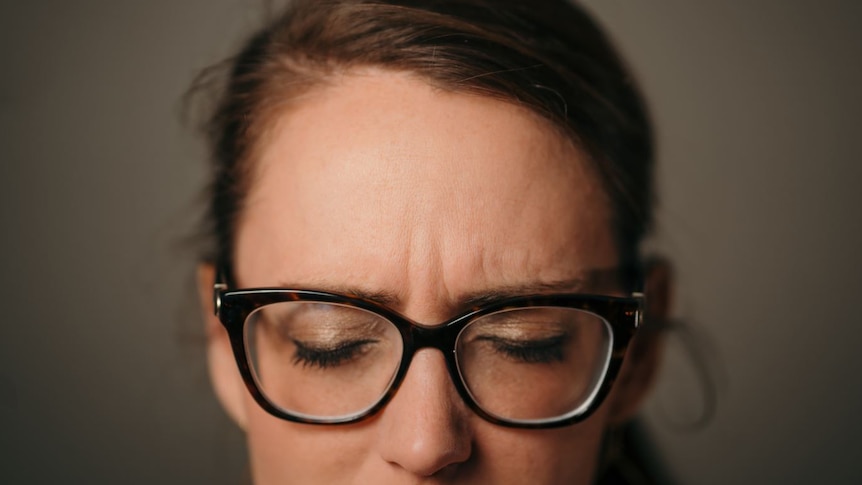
343	353
529	351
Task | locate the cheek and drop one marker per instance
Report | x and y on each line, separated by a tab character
284	452
563	456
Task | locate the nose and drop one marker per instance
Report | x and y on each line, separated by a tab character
424	429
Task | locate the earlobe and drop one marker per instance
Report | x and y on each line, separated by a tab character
644	354
225	377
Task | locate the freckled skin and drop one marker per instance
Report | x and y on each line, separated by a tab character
381	181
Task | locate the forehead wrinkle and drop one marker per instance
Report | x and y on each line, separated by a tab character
425	290
464	206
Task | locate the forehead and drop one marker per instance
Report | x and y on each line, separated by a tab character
381	179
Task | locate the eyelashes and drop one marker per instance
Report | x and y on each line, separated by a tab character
546	350
538	351
529	352
343	353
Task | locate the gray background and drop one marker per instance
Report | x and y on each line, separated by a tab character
102	376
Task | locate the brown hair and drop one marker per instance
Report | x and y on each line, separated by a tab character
546	55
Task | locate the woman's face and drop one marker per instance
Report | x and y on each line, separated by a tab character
380	183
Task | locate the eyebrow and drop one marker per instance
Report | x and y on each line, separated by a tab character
380	297
468	300
495	295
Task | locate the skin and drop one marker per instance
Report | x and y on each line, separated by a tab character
381	183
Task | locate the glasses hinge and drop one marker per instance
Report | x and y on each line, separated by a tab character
641	307
217	289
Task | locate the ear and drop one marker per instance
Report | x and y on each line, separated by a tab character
644	353
224	374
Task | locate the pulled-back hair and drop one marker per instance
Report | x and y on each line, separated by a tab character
545	55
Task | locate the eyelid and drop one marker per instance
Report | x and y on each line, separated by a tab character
525	321
331	346
533	342
530	351
333	324
324	358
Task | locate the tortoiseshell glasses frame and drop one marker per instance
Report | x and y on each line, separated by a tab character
622	314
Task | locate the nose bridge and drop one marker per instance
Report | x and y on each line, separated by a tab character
443	338
425	426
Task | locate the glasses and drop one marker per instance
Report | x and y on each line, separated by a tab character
529	362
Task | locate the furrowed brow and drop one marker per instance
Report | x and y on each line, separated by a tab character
474	299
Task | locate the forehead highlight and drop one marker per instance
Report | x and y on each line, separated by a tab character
392	183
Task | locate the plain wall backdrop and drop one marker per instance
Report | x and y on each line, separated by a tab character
102	374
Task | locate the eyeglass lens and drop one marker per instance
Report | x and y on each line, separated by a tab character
326	360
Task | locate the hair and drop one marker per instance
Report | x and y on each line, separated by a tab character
547	56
